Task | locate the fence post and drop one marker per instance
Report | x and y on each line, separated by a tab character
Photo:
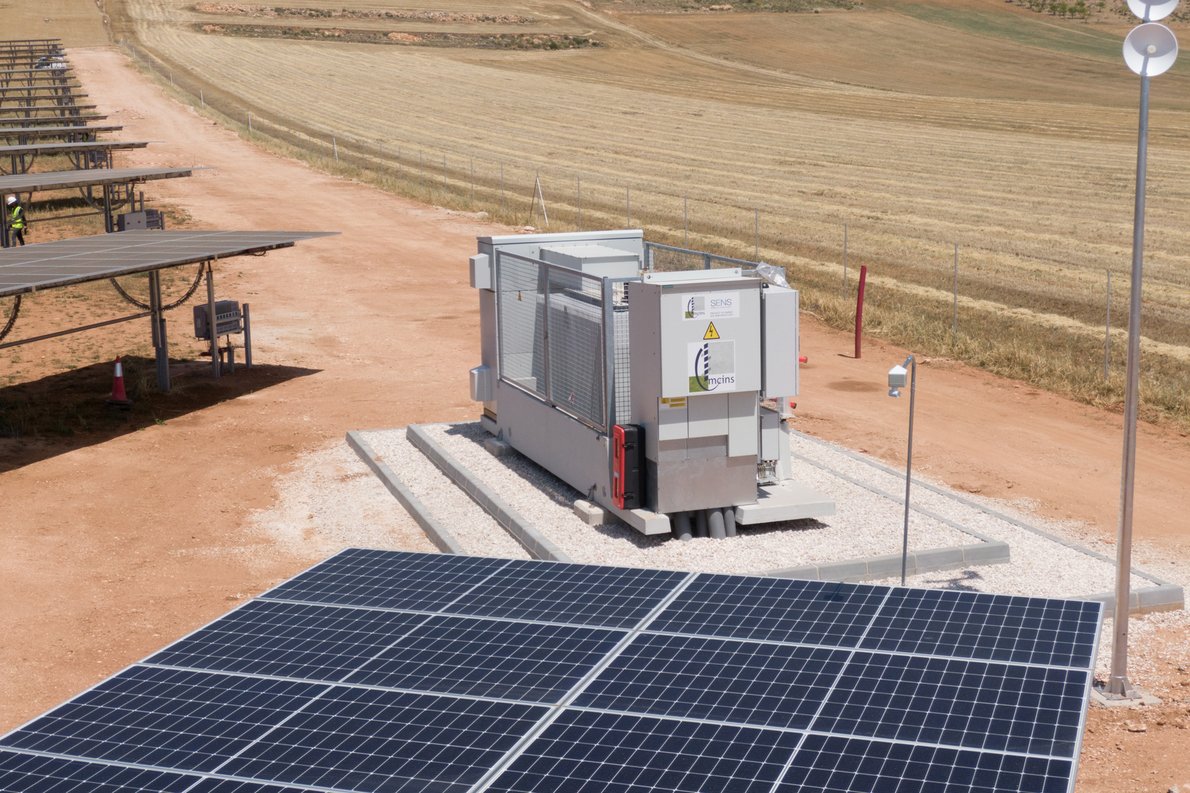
444	191
859	310
472	171
685	222
954	330
844	258
202	100
756	234
501	188
249	121
335	144
628	205
578	201
1107	333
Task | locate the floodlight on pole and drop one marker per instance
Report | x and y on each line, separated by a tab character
896	381
1150	49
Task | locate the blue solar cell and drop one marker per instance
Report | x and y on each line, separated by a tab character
613	597
290	640
974	704
166	718
989	627
510	660
388	579
771	685
773	609
589	752
372	740
829	764
27	773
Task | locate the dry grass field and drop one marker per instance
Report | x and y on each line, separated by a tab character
920	125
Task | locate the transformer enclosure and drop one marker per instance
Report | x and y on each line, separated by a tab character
584	344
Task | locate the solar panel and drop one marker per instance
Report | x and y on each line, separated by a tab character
61	180
290	640
81	259
995	627
28	772
378	578
389	671
766	685
774	609
586	594
62	148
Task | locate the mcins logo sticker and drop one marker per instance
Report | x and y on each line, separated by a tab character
712	366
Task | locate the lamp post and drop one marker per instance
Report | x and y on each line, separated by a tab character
896	381
1149	50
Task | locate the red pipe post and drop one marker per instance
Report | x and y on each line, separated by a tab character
859	310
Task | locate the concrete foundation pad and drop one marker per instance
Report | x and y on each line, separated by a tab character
784	501
1140	699
497	448
588	512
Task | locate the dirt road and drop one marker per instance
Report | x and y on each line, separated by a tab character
111	550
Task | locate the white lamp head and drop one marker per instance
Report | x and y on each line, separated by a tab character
897	378
1152	10
1150	49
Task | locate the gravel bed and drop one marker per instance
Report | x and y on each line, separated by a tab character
330	500
467	522
1040	566
865	525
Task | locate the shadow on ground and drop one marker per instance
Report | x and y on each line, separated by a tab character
62	412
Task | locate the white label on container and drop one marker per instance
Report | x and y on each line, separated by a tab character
711	367
712	305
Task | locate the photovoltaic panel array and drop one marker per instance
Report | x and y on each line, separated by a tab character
390	671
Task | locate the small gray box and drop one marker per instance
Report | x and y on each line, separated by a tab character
228	319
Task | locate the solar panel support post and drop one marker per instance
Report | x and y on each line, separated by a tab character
108	223
216	369
160	340
247	320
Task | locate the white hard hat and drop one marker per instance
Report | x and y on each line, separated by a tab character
10	200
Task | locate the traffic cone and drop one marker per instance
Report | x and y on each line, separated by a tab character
119	397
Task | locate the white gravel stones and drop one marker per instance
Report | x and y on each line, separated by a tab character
329	501
467	522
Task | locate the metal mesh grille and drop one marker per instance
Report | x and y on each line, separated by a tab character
621	358
575	346
519	305
551	331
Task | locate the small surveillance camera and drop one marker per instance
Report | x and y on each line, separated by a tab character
898	377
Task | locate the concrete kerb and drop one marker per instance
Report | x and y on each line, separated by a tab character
889	566
521	530
1165	596
435	531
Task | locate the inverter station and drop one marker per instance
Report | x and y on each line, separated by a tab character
663	396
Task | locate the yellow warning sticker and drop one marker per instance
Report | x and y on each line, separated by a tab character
711	332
